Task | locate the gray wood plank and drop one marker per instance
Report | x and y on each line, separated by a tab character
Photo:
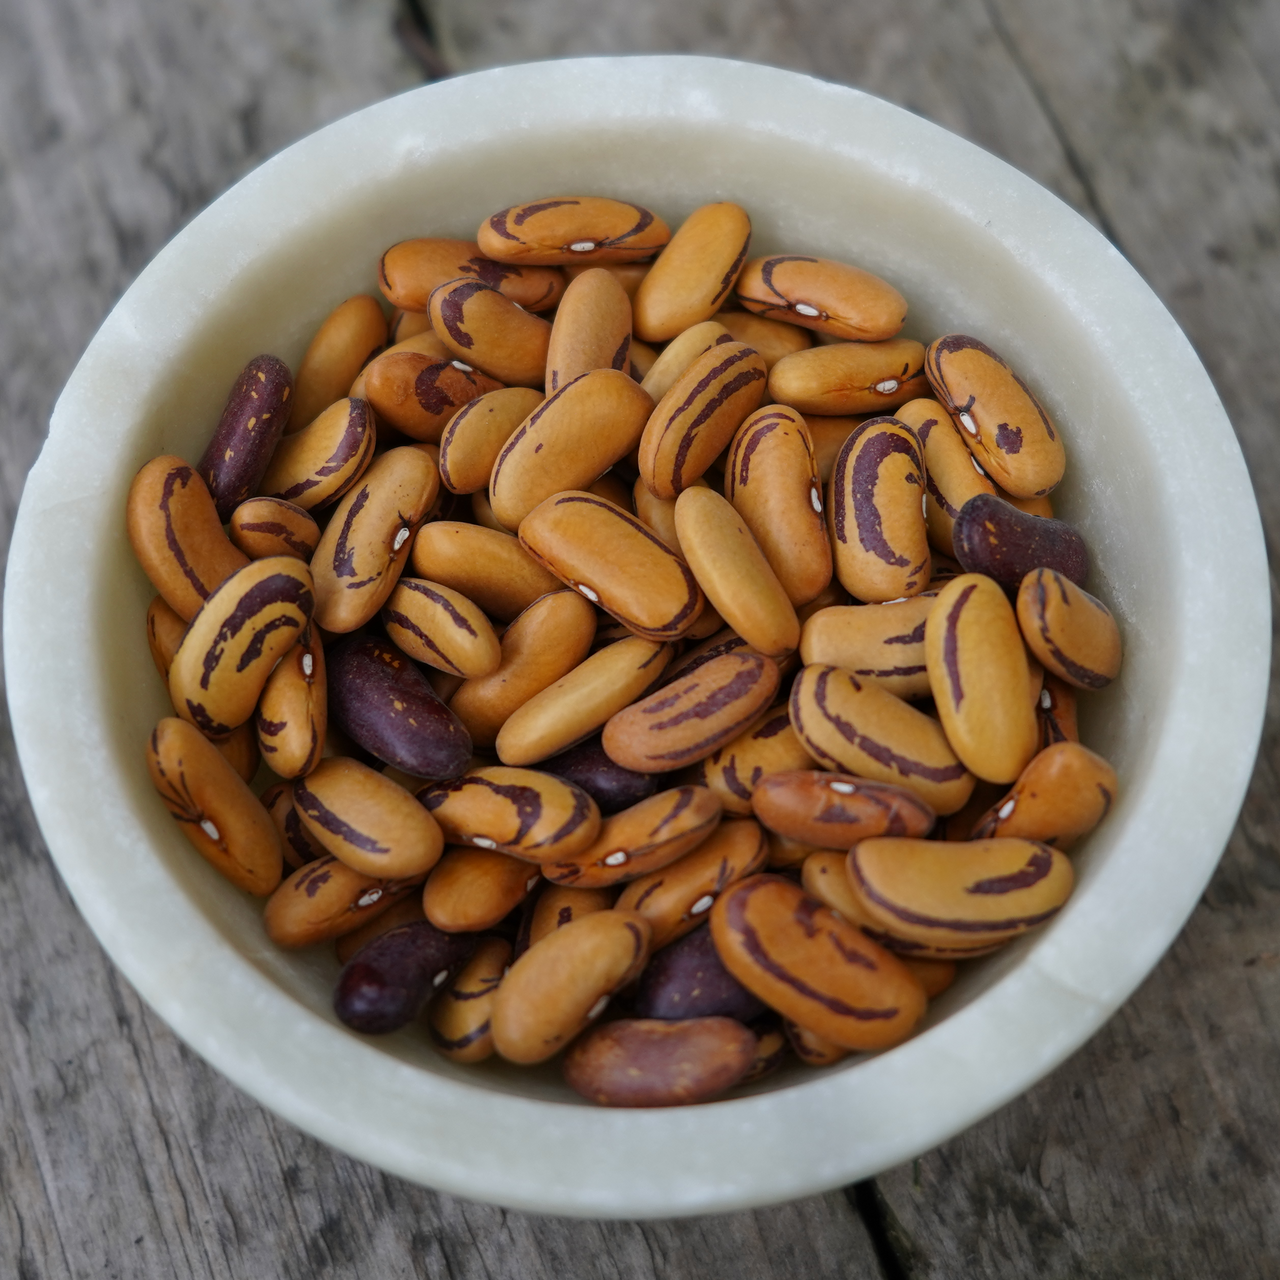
123	1154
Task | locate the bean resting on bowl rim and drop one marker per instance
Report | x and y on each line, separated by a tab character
688	578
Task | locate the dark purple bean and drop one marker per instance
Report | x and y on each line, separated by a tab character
380	700
247	433
997	539
688	980
612	787
388	982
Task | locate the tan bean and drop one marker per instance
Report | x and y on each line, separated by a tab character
240	750
214	807
320	463
652	1062
826	296
405	911
439	626
473	889
850	377
883	643
699	413
767	746
559	905
876	512
771	479
591	330
371	824
773	339
425	343
482	513
786	854
716	646
493	569
1060	796
410	271
573	436
264	527
680	353
676	898
530	815
1056	712
808	963
952	474
833	595
295	841
962	896
648	835
1002	422
367	541
627	274
233	643
409	324
543	644
979	677
695	273
164	634
825	876
352	333
734	573
828	435
811	1048
581	701
489	332
853	725
475	435
325	899
659	513
564	982
176	534
1071	632
616	561
293	711
458	1018
642	358
572	229
417	394
834	810
686	721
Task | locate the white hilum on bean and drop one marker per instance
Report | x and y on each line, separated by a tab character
396	545
887	387
598	1008
591	595
209	829
702	905
368	897
582	246
308	664
816	500
483	842
457	364
844	788
968	424
805	309
1007	808
616	859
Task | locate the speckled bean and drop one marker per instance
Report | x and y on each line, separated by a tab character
418	393
264	527
488	331
610	785
318	464
591	330
293	711
883	643
773	339
577	229
410	271
1071	632
826	296
325	899
474	436
688	980
1006	544
458	1019
434	624
834	811
766	747
470	890
850	377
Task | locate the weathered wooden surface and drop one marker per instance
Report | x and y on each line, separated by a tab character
1152	1152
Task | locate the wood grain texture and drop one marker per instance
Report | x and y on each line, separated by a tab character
1153	1151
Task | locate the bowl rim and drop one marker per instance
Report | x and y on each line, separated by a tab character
814	1136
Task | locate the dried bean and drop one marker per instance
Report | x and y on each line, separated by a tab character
232	644
295	841
381	700
559	905
418	393
487	331
650	834
994	538
834	811
458	1019
321	462
610	785
680	353
410	271
688	980
293	711
352	332
826	296
388	981
264	527
564	982
1071	632
522	812
405	911
767	747
648	1063
850	377
572	229
773	339
214	807
811	1048
473	889
813	967
439	626
474	436
176	534
164	634
247	433
980	679
882	643
592	329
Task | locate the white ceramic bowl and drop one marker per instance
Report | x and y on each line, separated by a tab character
1155	482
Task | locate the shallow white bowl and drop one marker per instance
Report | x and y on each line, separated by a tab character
1155	482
